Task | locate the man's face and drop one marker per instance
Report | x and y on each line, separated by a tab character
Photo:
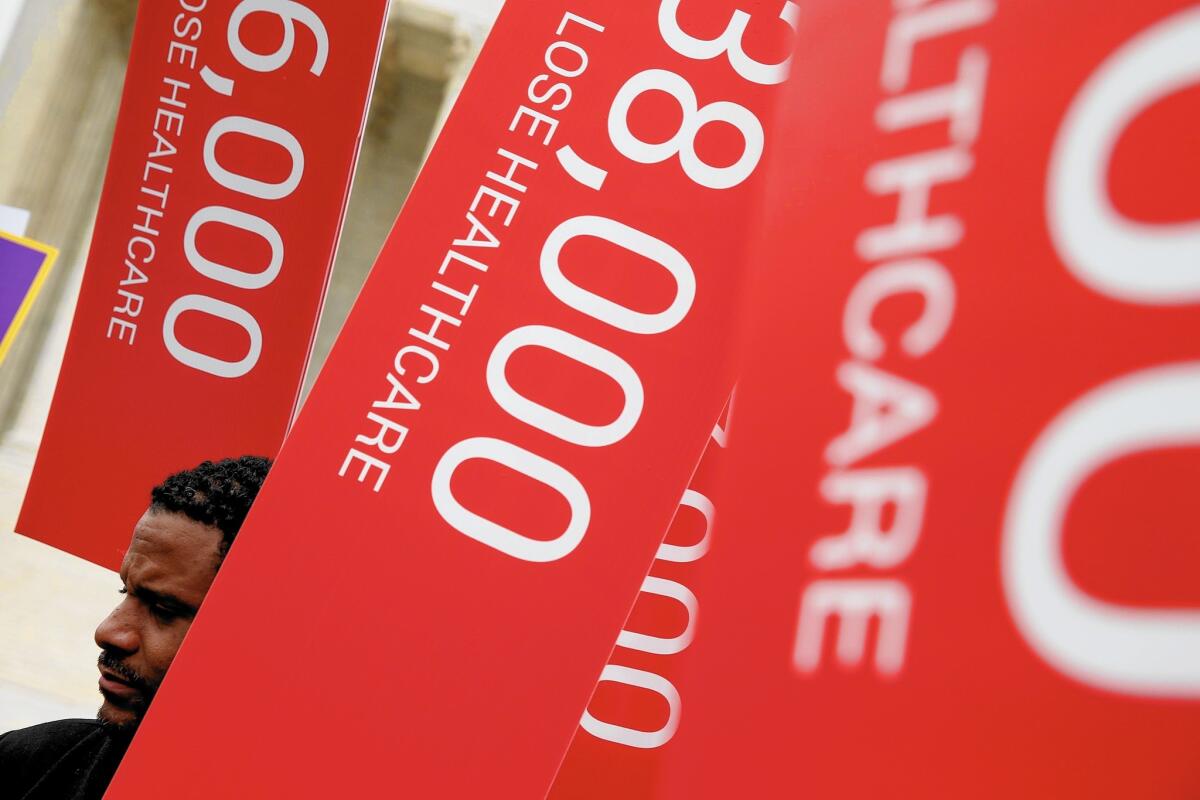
170	564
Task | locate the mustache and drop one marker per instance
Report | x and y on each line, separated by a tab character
124	671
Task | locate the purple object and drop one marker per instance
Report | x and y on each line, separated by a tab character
23	268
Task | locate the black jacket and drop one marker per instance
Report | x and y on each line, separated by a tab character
72	759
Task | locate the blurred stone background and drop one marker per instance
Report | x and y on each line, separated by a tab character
62	64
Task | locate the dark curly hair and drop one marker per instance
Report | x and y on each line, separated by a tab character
216	493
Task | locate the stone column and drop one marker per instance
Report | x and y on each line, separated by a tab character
55	136
423	52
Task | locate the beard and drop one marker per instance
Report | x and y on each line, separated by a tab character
133	708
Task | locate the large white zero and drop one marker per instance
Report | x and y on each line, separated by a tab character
602	308
497	536
222	273
632	737
553	422
218	309
1144	652
1128	260
235	182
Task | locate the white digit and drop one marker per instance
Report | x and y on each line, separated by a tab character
632	737
263	131
728	42
683	143
497	536
685	554
289	13
1140	652
720	433
220	310
550	421
602	308
659	645
1134	651
1112	254
242	221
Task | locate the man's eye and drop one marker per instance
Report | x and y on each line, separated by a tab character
164	614
122	590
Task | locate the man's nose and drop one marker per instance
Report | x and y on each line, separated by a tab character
118	631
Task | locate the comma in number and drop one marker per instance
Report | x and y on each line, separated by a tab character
580	170
218	83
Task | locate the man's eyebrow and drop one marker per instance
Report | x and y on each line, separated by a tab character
151	597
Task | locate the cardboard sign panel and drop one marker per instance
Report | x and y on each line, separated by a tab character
958	554
636	716
426	592
24	265
235	144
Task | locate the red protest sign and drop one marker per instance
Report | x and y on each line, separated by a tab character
964	560
235	144
460	521
637	712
